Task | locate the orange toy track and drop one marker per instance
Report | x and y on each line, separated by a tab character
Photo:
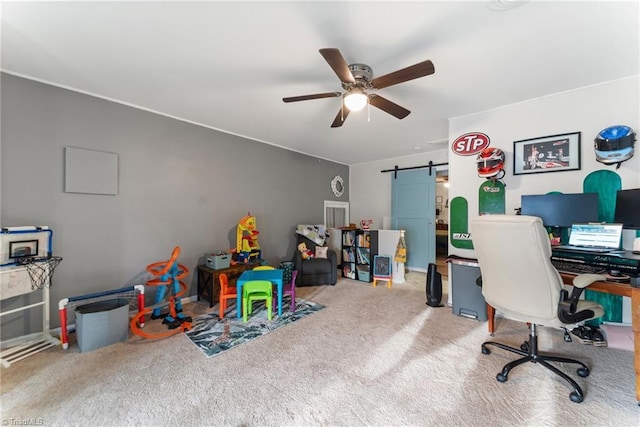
159	269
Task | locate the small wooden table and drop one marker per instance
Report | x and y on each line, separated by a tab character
623	289
209	285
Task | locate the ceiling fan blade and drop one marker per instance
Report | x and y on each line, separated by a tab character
314	96
338	64
340	117
389	107
412	72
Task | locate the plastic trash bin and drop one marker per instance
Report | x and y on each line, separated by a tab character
467	297
102	323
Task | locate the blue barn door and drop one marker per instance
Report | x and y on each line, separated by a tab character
413	210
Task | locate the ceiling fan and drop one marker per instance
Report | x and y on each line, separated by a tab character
357	82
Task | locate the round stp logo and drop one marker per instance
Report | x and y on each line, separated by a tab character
470	144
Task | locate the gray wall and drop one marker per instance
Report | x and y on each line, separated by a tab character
179	184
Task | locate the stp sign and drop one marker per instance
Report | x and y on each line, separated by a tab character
470	144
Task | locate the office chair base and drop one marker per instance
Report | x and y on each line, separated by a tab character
529	353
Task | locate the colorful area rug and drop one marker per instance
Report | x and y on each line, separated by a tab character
213	335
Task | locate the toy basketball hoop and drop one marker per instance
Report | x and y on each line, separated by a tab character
26	267
40	269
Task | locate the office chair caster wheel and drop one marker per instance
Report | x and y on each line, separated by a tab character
575	397
485	350
583	372
501	377
525	347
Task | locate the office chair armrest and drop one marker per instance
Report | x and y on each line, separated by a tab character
583	280
568	305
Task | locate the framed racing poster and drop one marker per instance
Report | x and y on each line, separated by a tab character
555	153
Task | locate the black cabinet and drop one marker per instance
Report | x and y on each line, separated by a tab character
358	250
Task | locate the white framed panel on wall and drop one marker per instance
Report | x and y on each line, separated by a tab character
336	214
90	171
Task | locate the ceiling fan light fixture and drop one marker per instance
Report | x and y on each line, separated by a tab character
357	79
356	100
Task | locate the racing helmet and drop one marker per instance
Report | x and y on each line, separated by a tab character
490	162
614	144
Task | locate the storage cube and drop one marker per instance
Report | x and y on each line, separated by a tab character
218	262
364	273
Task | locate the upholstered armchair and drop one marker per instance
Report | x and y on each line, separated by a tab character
317	270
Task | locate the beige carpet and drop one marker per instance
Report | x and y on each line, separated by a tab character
374	356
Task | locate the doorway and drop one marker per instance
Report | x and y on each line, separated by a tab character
336	215
442	220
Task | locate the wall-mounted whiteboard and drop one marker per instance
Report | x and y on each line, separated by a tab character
90	171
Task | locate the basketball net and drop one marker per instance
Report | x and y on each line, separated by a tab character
40	269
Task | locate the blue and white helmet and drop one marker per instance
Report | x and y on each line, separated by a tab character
614	144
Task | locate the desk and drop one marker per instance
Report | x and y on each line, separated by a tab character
623	289
274	276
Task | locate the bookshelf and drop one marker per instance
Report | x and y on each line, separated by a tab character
349	254
359	247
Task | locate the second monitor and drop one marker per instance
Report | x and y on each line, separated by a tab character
628	208
561	210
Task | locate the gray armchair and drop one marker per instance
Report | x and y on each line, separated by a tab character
315	271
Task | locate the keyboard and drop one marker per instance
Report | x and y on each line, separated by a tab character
576	268
583	248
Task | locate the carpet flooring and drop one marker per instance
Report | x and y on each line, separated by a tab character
371	357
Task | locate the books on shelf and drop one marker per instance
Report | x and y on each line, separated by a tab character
348	271
363	240
348	238
363	256
348	255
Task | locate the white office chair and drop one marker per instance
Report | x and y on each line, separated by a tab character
519	280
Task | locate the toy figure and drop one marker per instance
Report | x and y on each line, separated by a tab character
306	253
247	238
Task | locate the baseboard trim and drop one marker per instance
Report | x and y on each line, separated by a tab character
187	300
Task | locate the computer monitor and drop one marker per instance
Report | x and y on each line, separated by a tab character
561	210
628	208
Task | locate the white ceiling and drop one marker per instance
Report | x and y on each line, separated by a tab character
227	65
